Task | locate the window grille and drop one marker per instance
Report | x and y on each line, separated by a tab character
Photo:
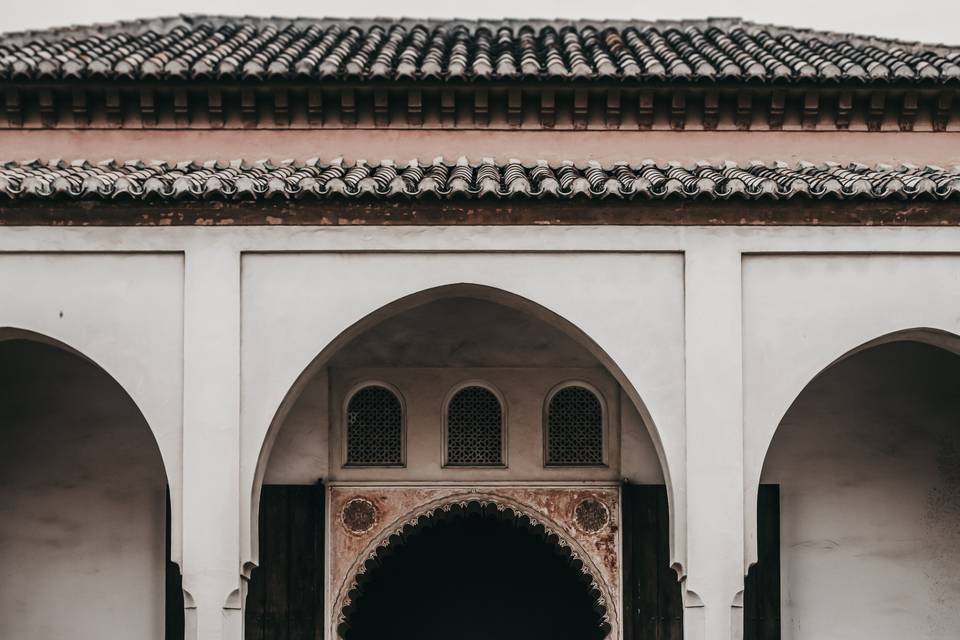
574	428
374	428
474	428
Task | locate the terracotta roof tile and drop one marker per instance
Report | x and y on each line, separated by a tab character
185	47
239	180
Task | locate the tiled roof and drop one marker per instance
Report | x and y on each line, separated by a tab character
210	47
487	179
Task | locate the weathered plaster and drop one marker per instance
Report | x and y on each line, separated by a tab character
399	507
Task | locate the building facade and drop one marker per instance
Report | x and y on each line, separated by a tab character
346	329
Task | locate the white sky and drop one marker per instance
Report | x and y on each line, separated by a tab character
925	20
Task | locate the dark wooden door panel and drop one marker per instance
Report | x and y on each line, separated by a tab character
761	597
653	608
285	593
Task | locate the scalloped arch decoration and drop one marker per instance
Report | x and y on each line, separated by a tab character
395	534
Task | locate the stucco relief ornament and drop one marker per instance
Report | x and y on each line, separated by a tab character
358	515
591	515
395	535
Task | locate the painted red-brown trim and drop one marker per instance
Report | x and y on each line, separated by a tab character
472	212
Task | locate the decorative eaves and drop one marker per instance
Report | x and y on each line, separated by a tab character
260	49
240	181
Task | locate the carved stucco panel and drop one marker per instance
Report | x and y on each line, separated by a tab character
585	519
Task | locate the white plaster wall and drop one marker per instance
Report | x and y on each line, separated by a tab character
124	311
463	332
868	460
638	458
802	312
82	503
300	454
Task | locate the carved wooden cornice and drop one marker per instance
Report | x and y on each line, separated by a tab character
181	104
197	71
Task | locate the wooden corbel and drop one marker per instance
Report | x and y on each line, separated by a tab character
711	109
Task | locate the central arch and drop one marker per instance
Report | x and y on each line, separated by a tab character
445	336
458	290
561	595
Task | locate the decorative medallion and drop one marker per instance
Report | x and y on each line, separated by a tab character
358	516
591	515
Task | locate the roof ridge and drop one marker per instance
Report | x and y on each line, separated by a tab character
168	22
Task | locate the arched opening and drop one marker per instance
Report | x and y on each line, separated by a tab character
573	426
434	341
427	348
474	572
84	538
864	540
456	324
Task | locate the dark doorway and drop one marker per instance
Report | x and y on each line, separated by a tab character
475	577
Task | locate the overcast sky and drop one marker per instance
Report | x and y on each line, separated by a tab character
925	20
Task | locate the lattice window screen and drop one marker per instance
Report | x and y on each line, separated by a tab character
574	427
474	428
374	428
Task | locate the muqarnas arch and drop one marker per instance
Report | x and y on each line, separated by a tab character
473	565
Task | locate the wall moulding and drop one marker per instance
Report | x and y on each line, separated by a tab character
365	520
579	211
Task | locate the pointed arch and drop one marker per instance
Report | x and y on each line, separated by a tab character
16	333
493	505
87	482
465	290
855	454
935	337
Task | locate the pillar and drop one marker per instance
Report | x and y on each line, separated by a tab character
211	442
714	416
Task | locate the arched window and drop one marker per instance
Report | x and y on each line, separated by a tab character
574	429
475	428
374	427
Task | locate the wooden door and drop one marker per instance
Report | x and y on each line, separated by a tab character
761	596
653	608
285	593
